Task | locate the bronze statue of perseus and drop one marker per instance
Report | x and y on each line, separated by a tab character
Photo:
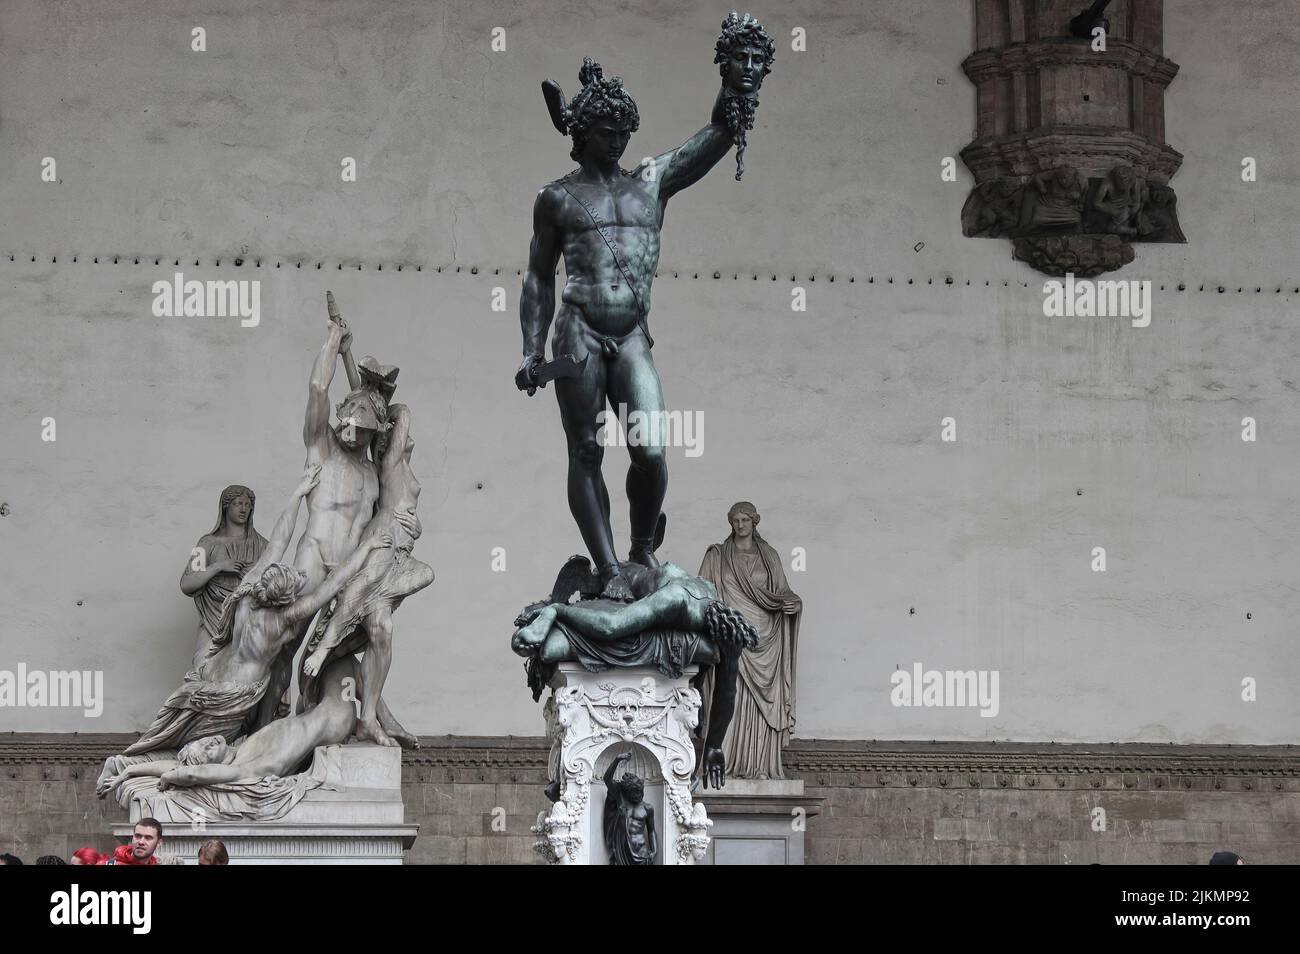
606	221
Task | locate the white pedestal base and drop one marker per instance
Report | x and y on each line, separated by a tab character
592	716
759	821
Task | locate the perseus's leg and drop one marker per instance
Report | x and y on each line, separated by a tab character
634	381
581	399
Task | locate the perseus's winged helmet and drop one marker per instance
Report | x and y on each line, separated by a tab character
599	97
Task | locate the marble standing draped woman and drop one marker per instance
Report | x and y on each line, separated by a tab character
748	575
228	551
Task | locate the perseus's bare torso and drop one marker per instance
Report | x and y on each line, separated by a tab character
595	285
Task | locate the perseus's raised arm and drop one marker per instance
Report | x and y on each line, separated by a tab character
744	54
537	301
315	428
689	162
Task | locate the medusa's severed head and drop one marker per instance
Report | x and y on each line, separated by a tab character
744	53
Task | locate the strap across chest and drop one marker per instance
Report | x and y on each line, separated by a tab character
604	230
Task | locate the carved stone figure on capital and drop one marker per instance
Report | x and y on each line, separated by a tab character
748	575
1119	199
1063	221
606	222
355	551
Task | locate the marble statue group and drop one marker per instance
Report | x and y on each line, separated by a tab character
637	651
225	738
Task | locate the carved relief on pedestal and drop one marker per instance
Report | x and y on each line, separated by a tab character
590	712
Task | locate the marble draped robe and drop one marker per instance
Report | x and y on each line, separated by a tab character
209	600
264	799
754	583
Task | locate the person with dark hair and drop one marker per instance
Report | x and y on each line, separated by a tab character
85	856
144	842
213	853
50	860
8	859
1226	858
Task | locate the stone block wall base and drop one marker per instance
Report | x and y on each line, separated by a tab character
758	822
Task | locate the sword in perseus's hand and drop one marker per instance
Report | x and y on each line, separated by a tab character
565	366
349	362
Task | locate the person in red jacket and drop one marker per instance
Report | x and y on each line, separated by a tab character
144	842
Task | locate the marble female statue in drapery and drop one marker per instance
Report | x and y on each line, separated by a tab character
228	551
749	577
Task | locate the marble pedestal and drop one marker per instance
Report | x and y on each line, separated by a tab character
594	716
355	817
758	821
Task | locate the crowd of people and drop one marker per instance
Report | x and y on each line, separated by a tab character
146	839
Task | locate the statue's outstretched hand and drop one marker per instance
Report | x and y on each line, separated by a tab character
530	612
310	478
715	767
525	377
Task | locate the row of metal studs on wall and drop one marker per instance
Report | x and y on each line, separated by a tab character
475	270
